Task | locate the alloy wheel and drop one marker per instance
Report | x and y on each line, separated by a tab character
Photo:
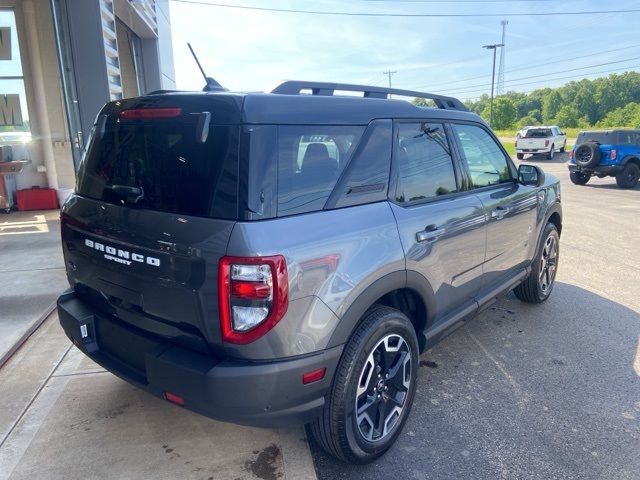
383	387
548	264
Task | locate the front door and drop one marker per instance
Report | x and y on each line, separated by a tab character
510	207
441	227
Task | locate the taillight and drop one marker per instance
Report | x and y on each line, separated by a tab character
253	295
546	143
571	155
614	154
150	113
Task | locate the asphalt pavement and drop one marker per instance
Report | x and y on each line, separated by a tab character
548	391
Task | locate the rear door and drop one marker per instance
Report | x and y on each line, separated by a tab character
510	208
441	226
156	202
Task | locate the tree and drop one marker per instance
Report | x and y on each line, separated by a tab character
627	116
504	113
551	105
527	121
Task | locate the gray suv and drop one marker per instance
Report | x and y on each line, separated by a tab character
279	258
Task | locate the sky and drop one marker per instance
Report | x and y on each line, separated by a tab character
251	50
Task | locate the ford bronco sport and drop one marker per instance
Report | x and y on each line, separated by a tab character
280	258
606	153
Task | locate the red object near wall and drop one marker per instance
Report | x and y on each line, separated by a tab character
36	198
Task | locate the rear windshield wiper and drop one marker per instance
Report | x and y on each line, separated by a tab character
129	194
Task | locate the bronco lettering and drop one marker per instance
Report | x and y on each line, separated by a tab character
119	255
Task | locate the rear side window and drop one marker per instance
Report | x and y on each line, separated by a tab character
159	165
424	164
485	160
310	160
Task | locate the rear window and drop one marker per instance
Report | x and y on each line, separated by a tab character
310	160
159	165
604	138
538	133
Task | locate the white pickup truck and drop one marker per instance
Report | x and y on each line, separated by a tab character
535	140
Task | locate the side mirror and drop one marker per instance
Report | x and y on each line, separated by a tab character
530	175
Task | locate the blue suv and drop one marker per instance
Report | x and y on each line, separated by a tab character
606	153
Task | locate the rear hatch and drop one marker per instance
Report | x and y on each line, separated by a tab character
155	203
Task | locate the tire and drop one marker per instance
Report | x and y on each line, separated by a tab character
629	177
588	154
564	147
337	429
520	156
543	269
551	153
579	178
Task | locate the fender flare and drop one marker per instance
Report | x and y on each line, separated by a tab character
628	158
388	283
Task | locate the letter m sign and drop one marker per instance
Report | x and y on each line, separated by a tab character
5	43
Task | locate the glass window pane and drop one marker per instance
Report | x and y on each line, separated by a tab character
310	160
425	167
485	160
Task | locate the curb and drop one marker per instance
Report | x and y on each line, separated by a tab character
25	336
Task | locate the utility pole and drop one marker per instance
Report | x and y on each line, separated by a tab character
493	47
388	73
500	83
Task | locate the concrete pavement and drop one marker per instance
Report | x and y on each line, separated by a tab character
64	417
31	274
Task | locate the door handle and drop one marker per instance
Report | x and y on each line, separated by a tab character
500	212
430	234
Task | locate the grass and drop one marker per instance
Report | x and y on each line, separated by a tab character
510	147
511	133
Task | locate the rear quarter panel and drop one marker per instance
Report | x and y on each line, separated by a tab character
332	256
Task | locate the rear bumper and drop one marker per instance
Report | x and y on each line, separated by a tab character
533	150
598	170
265	394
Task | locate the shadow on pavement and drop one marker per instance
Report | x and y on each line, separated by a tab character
523	391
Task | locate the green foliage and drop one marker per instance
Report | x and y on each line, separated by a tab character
606	102
504	113
627	116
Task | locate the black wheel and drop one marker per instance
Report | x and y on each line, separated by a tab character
579	178
588	154
564	147
551	153
537	287
629	177
520	156
372	390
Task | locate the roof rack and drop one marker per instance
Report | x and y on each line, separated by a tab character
295	87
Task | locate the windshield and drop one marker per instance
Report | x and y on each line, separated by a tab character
538	133
159	165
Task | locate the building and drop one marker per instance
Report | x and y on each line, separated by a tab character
60	61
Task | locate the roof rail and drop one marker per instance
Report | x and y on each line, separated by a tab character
295	87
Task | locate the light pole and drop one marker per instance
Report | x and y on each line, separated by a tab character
493	47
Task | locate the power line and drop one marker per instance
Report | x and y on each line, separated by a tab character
630	69
528	67
546	74
389	73
414	15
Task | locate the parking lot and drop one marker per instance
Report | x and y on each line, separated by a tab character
550	391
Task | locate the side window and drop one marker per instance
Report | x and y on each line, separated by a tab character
425	167
485	160
310	160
